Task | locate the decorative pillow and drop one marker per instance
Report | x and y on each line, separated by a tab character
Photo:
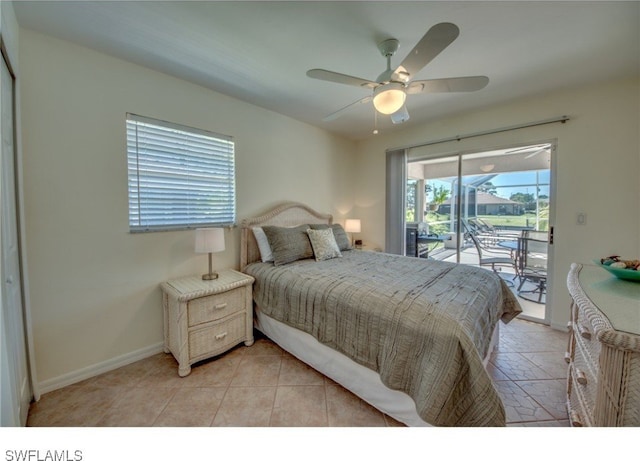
324	244
342	239
263	244
288	244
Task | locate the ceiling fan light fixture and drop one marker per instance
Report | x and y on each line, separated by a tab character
400	116
389	98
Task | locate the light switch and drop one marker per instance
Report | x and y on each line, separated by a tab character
582	218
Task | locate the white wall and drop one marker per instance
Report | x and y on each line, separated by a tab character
94	287
597	170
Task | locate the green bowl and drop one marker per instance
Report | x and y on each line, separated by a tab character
624	274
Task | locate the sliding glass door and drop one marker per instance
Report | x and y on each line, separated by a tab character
475	208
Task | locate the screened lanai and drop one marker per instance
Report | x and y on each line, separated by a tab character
509	189
495	199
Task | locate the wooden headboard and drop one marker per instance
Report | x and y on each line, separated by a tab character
287	214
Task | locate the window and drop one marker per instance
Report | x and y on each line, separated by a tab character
179	177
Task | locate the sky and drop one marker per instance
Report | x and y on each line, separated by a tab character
511	183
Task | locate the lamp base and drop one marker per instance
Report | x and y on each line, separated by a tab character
210	276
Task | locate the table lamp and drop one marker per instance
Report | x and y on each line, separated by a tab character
352	226
210	240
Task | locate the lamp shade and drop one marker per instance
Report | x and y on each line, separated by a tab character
352	225
389	98
209	240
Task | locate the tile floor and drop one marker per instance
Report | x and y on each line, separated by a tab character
263	385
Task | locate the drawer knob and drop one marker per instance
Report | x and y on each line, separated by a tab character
584	332
221	336
576	421
220	306
581	377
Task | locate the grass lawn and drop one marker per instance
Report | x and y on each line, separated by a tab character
527	220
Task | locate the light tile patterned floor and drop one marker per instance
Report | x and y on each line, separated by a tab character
262	385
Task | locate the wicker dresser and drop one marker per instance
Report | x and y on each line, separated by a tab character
204	318
603	380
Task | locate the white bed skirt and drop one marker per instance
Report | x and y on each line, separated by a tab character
362	381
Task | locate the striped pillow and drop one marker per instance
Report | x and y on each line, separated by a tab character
288	244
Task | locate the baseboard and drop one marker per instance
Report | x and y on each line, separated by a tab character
559	326
99	368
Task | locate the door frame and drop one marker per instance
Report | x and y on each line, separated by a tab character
27	336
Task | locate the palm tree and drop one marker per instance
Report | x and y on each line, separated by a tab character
440	194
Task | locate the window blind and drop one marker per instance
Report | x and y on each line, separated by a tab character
179	177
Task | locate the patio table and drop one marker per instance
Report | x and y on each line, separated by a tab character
430	239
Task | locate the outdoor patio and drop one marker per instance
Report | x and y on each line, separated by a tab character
469	255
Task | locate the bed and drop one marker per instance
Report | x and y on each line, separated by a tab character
409	336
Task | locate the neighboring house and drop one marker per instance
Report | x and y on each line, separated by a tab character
482	203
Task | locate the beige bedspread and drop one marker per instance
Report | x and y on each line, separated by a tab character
423	325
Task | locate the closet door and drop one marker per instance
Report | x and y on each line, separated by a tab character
15	390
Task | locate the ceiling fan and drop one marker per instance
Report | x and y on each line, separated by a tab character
392	86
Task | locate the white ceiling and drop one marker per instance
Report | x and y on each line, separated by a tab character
259	52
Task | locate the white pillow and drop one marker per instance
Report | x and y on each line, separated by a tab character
263	245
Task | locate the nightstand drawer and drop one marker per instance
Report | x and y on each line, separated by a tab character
215	307
217	337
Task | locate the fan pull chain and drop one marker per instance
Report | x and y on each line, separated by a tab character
375	121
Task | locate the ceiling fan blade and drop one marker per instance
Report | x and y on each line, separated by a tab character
335	77
431	45
448	85
340	112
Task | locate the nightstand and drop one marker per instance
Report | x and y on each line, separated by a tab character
204	318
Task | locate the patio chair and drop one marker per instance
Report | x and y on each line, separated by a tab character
485	226
533	250
495	261
488	242
499	234
485	234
